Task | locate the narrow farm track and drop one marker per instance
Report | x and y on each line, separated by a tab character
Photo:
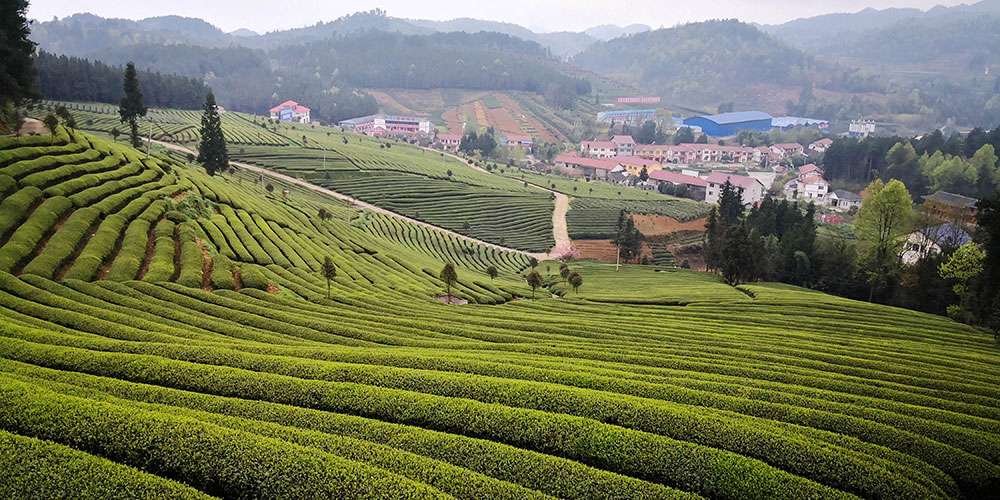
368	206
560	230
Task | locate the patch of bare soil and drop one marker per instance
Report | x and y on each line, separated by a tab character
656	225
206	267
451	299
603	250
271	289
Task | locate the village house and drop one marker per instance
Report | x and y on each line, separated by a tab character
821	145
518	141
392	127
290	111
589	168
931	240
951	207
787	150
813	188
599	149
809	169
809	185
450	142
633	165
625	145
844	201
695	185
751	190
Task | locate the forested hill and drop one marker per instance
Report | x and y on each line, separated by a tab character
710	62
440	60
324	74
65	78
830	30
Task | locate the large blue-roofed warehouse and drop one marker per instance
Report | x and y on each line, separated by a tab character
728	124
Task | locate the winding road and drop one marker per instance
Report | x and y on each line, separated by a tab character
369	206
560	231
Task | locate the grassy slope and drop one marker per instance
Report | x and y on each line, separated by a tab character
765	392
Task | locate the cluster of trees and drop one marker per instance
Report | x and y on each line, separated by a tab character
965	165
628	238
485	143
772	242
974	271
65	78
778	241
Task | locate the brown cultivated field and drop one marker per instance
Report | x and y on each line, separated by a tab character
656	225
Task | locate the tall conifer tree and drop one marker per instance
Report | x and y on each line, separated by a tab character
212	152
131	107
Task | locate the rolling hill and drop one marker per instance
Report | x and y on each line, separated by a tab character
162	331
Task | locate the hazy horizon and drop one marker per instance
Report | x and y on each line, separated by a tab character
548	16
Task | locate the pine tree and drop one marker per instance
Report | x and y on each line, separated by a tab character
730	203
212	152
131	108
17	71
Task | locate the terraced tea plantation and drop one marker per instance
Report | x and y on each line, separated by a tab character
166	124
164	334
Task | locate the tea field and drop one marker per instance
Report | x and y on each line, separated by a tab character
164	334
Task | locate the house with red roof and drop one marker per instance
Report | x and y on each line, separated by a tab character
821	145
695	185
449	142
751	190
787	150
809	169
811	187
625	144
290	111
599	149
633	165
518	141
590	168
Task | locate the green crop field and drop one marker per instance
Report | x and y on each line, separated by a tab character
164	334
165	124
418	183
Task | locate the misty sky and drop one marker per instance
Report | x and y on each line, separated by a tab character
540	15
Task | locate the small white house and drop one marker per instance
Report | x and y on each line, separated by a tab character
933	239
599	149
751	190
844	201
624	144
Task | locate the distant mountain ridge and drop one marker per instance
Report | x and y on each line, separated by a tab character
89	31
829	29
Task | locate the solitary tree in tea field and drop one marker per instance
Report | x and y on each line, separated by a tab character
51	123
491	272
329	272
534	281
449	277
212	152
576	280
131	108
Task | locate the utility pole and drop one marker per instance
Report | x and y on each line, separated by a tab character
149	140
618	258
